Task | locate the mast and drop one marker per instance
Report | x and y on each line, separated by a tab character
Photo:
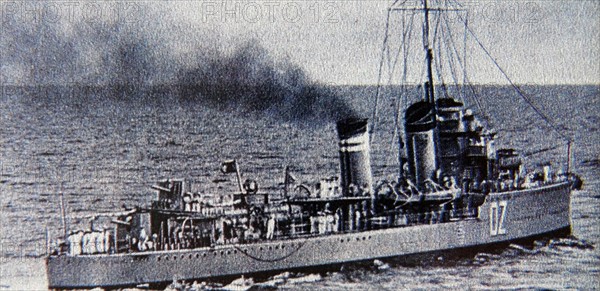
63	212
429	97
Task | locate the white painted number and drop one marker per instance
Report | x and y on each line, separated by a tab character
497	217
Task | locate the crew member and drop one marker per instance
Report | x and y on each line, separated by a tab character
364	190
99	241
143	239
314	224
271	227
74	240
352	191
227	230
153	244
358	219
87	243
336	221
322	223
107	240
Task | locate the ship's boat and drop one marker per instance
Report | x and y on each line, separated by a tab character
453	190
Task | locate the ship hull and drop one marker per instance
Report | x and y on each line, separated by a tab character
504	217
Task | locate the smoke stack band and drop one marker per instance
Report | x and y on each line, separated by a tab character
355	157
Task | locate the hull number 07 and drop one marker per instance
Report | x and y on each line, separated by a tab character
497	218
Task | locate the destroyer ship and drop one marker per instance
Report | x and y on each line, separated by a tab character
453	190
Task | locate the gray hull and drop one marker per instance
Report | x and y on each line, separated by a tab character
503	217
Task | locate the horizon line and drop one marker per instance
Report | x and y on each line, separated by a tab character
316	83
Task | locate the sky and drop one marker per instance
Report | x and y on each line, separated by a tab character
335	42
340	41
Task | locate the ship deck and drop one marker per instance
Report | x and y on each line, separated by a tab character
504	217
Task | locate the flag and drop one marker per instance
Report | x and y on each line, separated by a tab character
228	166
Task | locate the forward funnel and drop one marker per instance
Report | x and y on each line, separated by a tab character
355	157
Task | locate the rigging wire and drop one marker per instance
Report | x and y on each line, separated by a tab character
450	59
406	51
462	63
450	56
377	91
437	60
516	87
451	51
401	89
464	57
392	67
465	39
407	31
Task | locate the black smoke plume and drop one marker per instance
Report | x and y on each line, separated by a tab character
143	53
251	80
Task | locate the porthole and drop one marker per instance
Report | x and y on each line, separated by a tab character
235	251
358	238
197	256
166	258
222	253
364	238
270	248
158	258
204	255
369	237
261	248
190	256
342	240
228	252
174	258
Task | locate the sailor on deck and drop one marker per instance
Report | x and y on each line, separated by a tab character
314	224
271	226
143	240
358	219
99	241
337	220
107	240
74	240
89	243
322	218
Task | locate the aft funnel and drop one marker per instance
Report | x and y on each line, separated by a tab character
355	157
420	140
